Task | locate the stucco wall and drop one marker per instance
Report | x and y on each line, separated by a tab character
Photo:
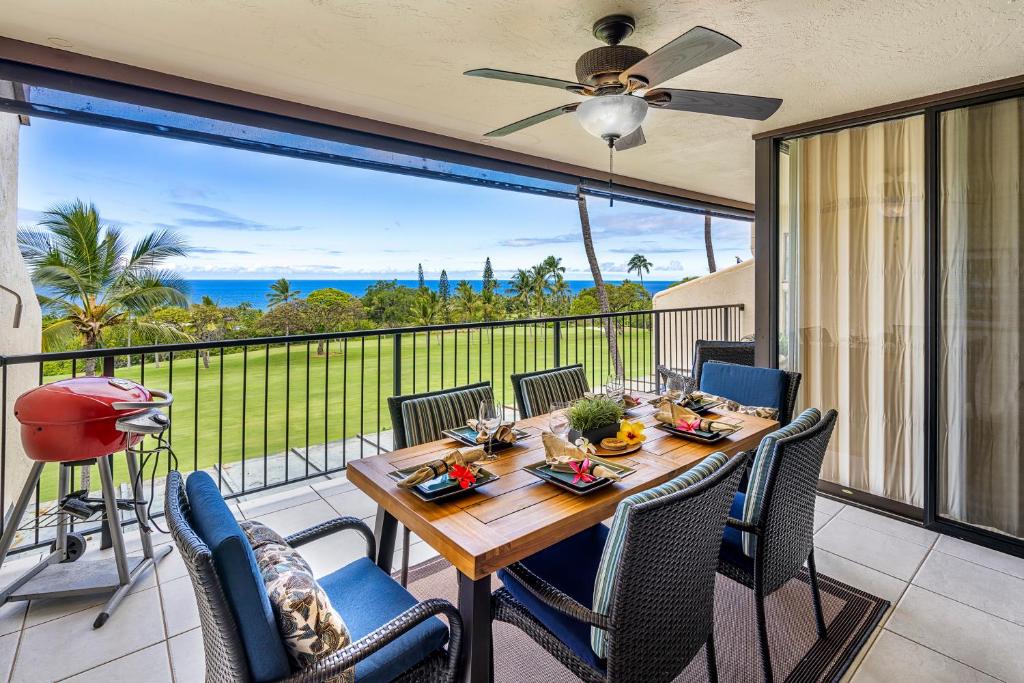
14	275
732	285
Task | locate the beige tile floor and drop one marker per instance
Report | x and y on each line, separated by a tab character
958	609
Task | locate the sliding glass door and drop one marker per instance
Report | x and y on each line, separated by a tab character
980	288
851	301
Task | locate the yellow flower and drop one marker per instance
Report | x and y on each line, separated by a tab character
631	432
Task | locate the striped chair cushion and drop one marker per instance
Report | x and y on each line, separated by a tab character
607	571
540	391
759	470
425	418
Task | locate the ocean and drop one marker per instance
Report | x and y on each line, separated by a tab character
235	292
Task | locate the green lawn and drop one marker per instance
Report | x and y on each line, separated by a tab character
265	401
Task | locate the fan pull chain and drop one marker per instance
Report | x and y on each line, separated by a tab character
611	170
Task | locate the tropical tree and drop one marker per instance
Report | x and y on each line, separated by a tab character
420	278
94	280
639	264
553	268
427	308
595	271
708	246
444	291
389	304
284	319
331	310
489	283
281	292
466	301
521	287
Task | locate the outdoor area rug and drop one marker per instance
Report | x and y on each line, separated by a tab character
797	654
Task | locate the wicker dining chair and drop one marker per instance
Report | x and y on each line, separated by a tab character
705	350
395	638
535	391
420	418
656	605
770	531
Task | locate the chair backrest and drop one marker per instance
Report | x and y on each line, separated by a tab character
452	409
748	385
535	391
706	350
222	644
787	507
662	607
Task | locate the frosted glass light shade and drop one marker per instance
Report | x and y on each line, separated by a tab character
611	116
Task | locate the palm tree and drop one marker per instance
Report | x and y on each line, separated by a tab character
640	265
427	308
521	287
595	271
281	292
708	247
466	301
95	280
552	266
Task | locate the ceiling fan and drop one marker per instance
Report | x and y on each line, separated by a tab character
619	83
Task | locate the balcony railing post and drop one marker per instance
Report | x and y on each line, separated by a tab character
656	325
105	540
397	365
558	344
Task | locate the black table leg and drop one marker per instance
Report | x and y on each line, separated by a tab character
475	606
385	529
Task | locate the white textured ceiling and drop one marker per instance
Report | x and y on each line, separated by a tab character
401	61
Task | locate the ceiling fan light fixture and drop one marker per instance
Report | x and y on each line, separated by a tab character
611	117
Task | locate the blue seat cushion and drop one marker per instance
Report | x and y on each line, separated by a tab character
760	387
732	540
571	566
239	577
367	598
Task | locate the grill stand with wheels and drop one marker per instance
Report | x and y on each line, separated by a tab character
59	574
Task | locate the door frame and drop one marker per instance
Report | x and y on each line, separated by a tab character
767	284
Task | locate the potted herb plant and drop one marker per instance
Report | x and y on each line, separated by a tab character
594	419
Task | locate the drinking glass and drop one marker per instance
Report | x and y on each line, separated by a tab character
615	388
674	388
558	418
489	417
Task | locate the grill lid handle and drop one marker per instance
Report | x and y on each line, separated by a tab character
165	399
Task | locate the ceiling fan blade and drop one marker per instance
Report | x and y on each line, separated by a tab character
634	139
719	103
527	78
697	46
531	120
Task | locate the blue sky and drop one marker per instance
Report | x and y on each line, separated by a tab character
259	216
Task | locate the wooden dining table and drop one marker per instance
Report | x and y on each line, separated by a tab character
509	519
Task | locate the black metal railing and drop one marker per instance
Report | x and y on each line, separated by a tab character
265	412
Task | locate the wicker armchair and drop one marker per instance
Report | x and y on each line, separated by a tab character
401	440
226	657
662	602
706	350
784	530
567	393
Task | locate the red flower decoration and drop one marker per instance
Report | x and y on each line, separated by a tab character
685	426
463	475
582	470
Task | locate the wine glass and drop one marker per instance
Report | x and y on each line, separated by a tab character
615	388
489	418
674	388
558	418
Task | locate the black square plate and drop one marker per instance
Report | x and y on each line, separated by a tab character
703	406
442	487
467	437
698	436
564	479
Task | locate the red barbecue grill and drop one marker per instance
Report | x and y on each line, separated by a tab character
76	423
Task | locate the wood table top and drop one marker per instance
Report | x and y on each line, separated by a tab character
509	519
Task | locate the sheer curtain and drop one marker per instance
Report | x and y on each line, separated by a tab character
853	300
981	219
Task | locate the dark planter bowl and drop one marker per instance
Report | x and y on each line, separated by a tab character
594	436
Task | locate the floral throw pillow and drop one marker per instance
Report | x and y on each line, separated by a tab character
310	627
734	407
